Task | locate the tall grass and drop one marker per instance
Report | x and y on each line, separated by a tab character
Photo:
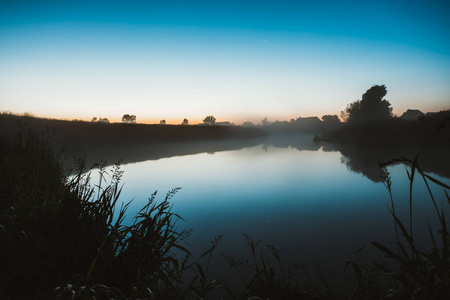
64	233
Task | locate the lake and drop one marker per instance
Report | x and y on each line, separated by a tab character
310	201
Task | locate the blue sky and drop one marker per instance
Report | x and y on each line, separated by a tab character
236	60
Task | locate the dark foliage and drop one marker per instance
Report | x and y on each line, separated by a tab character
371	107
129	118
209	120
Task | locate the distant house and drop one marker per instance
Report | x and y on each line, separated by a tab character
308	121
224	124
305	125
412	115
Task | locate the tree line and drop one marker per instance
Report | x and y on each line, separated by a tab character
372	106
131	119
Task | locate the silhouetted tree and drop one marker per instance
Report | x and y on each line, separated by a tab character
372	106
129	118
209	120
264	121
103	120
331	119
185	122
162	122
100	120
351	110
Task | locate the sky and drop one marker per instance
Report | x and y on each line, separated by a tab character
236	60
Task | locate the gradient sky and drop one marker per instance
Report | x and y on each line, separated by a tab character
236	60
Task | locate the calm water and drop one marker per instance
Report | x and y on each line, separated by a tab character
306	203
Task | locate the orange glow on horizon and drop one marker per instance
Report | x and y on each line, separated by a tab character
255	119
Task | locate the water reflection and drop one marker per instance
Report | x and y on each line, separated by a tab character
361	160
365	160
152	151
299	142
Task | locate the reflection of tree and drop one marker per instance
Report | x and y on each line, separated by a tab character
299	142
362	165
365	161
327	147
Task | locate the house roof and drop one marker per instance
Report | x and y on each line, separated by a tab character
412	114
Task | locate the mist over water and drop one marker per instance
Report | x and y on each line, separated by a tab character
306	199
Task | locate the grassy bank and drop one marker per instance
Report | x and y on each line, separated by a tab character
63	237
75	133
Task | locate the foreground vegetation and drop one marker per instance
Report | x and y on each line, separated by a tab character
64	238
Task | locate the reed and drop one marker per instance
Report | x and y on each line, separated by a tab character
265	276
411	272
